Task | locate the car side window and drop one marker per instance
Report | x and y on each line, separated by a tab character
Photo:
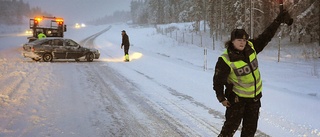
57	42
48	42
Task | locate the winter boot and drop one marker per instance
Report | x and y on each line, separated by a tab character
127	57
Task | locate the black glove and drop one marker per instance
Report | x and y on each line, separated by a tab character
284	17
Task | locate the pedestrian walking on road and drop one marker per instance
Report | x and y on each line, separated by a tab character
125	44
237	80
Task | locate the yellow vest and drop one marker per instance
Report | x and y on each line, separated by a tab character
41	36
245	83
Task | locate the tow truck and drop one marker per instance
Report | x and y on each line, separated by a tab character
50	26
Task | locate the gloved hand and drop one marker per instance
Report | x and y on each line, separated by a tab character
284	17
121	46
226	103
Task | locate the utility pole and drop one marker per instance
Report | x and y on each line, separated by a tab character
205	64
279	48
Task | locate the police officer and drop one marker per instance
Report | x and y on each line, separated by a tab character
41	35
237	69
125	44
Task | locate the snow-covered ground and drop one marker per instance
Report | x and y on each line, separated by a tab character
163	91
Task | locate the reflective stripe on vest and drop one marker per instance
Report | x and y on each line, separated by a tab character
241	75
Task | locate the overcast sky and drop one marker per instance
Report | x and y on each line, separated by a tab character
74	11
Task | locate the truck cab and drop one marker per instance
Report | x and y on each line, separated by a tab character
50	26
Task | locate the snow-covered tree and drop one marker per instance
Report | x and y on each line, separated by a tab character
306	20
225	15
196	13
12	12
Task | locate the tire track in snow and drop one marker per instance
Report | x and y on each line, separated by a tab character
122	100
124	123
210	127
203	123
182	128
89	41
160	111
22	94
151	110
198	121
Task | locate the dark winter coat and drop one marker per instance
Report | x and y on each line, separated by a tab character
222	70
125	40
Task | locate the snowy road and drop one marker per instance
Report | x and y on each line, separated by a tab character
66	98
161	92
131	114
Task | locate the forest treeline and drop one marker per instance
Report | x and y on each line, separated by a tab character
13	12
117	16
224	15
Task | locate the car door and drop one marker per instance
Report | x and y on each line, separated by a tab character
74	50
59	50
45	46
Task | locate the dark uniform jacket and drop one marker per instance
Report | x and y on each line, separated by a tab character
125	40
222	70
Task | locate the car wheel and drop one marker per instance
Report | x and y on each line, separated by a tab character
47	57
77	60
36	59
89	57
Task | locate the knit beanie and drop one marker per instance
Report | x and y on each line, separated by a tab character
239	34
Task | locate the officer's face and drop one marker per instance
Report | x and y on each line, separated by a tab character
122	33
239	44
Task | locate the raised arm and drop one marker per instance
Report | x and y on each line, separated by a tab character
265	37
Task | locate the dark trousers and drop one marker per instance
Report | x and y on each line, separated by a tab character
246	110
126	50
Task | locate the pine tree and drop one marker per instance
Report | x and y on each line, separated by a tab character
196	13
225	15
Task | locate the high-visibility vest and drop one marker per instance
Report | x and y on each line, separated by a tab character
41	36
246	83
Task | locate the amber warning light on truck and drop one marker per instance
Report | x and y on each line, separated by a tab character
59	21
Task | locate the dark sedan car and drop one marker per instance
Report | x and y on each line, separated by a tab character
58	48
